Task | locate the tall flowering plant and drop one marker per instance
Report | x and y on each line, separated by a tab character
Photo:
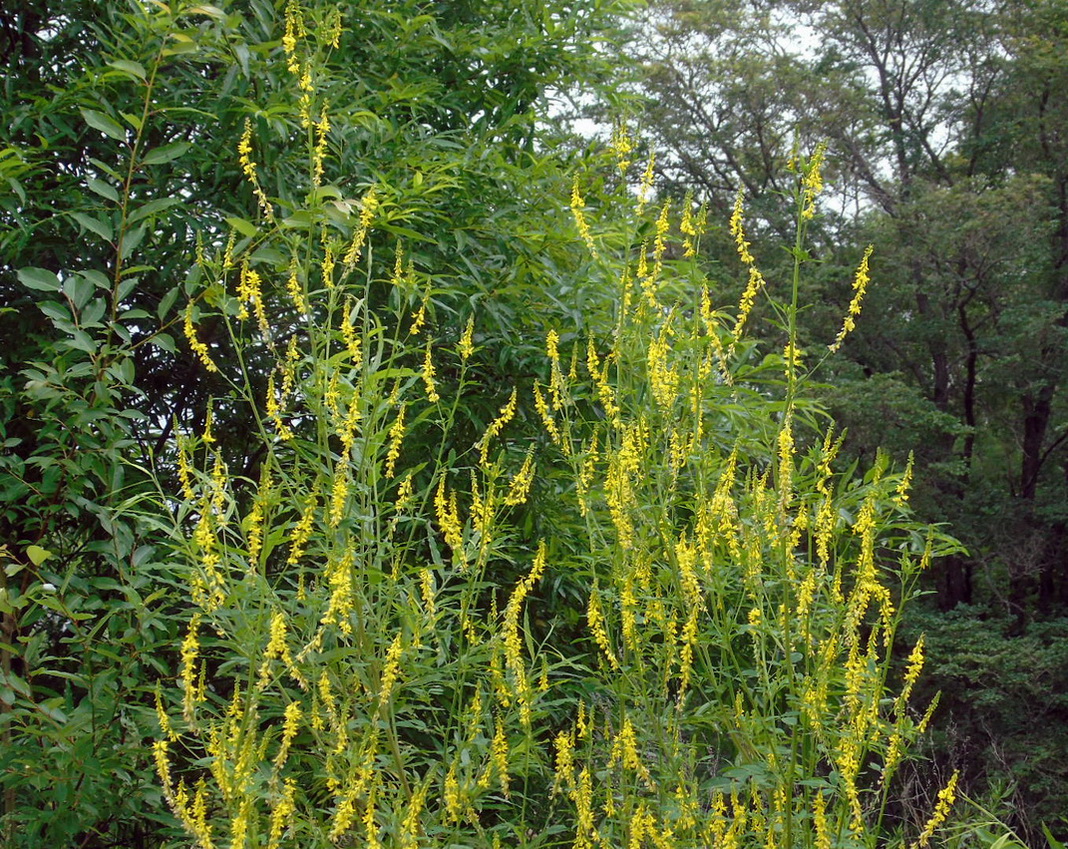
355	669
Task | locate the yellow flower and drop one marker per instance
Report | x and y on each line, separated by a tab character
289	730
496	426
190	654
419	320
946	797
428	375
319	152
282	812
199	348
812	182
595	619
738	231
368	206
901	494
499	757
295	288
466	346
578	205
622	146
396	437
646	185
302	532
912	672
248	168
663	224
519	488
860	286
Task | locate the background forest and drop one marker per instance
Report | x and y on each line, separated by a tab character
388	462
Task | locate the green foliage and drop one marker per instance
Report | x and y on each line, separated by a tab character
1003	707
125	119
365	655
352	493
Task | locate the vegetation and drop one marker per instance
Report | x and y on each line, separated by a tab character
356	489
943	123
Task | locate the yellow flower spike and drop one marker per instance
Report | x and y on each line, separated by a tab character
332	29
328	263
208	437
595	619
274	410
925	720
302	532
248	168
449	520
187	675
901	494
946	797
199	815
499	756
546	415
466	346
295	289
391	670
410	829
737	229
578	211
663	225
622	146
339	493
339	577
396	437
745	305
199	348
786	462
646	185
322	128
860	286
912	671
419	319
404	494
519	487
282	813
428	375
688	227
368	206
507	413
290	727
812	182
294	31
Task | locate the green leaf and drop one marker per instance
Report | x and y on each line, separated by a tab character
37	554
134	69
130	240
98	278
105	190
167	153
82	341
79	290
166	302
245	228
165	342
127	285
40	279
108	126
92	314
152	207
99	226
